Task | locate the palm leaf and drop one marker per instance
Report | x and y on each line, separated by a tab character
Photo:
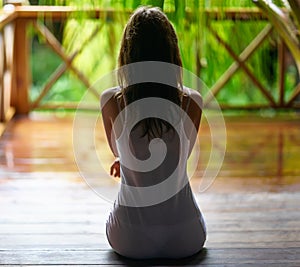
295	8
283	25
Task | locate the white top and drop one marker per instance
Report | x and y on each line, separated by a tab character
154	172
154	190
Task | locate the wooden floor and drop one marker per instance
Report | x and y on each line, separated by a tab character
49	216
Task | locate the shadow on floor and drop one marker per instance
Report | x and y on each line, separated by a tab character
193	260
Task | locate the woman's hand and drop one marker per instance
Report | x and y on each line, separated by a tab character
115	168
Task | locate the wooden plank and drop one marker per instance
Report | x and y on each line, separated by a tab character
242	238
286	257
8	117
98	225
63	12
54	12
95	216
48	215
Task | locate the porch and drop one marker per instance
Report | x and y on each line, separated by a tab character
49	216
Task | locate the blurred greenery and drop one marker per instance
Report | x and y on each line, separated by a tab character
287	24
201	53
67	88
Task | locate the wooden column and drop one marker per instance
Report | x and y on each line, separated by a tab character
21	80
2	61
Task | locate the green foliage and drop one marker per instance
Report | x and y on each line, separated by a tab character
200	51
286	24
41	72
239	90
43	63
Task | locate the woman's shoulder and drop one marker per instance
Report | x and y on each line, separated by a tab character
195	96
109	94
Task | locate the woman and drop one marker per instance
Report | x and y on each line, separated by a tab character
155	214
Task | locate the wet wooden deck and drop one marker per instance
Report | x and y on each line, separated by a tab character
49	216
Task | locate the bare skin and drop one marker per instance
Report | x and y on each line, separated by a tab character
110	111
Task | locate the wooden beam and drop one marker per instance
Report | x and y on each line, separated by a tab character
56	46
53	78
2	62
6	18
61	13
243	66
254	107
242	14
294	96
64	12
64	66
21	80
249	50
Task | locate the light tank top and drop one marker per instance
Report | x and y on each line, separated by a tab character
154	187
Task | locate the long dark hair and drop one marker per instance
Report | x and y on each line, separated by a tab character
149	36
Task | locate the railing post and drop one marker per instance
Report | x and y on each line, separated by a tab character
6	69
21	80
20	95
2	61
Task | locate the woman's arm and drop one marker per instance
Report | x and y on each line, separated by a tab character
193	106
109	109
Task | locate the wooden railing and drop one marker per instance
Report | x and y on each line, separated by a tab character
14	56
